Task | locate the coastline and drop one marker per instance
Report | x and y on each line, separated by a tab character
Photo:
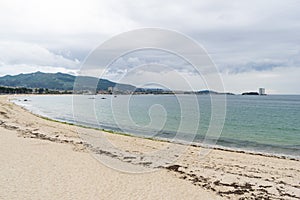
222	173
161	139
215	147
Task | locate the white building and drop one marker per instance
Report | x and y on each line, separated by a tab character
262	91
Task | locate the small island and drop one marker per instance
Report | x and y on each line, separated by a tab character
250	93
261	92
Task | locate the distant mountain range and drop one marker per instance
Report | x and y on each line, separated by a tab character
62	82
59	81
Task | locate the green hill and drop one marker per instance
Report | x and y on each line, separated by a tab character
59	81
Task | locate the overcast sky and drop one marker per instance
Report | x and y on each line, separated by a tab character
253	43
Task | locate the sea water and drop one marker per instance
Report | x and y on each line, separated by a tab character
268	124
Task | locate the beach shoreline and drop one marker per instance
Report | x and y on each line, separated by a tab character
160	139
221	174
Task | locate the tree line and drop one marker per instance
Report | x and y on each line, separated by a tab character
24	90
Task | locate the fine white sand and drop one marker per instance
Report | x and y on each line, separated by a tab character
40	169
42	159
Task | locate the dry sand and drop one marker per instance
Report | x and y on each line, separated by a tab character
42	159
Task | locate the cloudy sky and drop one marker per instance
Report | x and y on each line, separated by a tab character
253	43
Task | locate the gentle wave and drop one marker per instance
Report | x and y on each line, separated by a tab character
260	125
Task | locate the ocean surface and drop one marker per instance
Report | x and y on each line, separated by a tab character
265	124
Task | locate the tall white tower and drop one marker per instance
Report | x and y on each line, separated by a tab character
262	91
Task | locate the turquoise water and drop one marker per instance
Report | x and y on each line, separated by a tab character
267	124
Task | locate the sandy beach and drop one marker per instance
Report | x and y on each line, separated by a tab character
44	159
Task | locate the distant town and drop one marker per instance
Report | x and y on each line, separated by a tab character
115	91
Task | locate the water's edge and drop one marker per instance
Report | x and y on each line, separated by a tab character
159	139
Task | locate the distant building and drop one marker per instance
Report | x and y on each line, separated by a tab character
262	91
110	89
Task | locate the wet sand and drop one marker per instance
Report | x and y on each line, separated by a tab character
43	159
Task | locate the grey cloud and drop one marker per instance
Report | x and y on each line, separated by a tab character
253	66
18	53
158	61
240	36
